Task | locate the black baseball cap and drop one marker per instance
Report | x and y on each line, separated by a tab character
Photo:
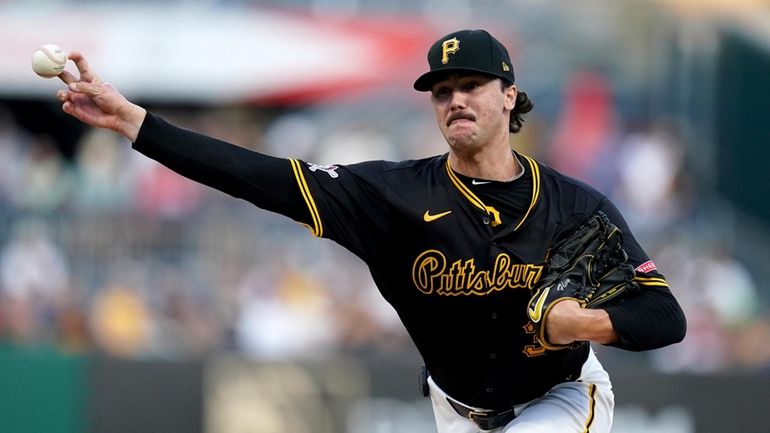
466	50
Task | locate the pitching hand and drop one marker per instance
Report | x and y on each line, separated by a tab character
92	101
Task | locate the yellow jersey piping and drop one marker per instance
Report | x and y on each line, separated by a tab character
591	407
464	190
468	194
317	227
535	189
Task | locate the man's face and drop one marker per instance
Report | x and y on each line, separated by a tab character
472	110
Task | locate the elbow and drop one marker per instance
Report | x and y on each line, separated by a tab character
671	329
679	328
676	328
676	323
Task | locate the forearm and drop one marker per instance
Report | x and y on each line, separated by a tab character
650	320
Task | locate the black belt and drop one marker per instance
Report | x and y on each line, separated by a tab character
486	420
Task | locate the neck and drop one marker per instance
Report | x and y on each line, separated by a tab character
491	164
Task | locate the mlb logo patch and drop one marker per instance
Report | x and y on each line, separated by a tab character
329	169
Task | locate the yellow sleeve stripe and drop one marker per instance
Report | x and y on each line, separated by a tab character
651	281
535	188
317	227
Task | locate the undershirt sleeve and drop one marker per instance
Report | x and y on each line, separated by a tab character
265	181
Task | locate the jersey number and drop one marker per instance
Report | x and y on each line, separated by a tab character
535	349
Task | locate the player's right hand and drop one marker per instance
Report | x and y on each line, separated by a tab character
92	101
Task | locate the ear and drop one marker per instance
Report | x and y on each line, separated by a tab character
510	97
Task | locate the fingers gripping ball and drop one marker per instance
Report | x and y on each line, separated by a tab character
590	267
48	61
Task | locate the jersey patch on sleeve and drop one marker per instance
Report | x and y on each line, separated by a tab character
645	267
329	169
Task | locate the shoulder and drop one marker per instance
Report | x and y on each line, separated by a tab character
398	169
553	183
562	180
563	202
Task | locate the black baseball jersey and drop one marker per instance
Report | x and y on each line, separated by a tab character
457	257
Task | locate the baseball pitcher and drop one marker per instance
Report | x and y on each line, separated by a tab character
503	271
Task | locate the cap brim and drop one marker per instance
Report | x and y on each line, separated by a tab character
426	81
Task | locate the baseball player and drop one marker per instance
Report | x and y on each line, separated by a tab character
456	243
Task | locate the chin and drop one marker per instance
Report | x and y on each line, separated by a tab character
461	142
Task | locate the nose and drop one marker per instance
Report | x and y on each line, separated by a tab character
457	101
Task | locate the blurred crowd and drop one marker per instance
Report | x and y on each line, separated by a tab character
105	250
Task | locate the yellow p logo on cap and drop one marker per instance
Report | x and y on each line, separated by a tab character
449	46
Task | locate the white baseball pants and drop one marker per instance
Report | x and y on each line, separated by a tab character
583	406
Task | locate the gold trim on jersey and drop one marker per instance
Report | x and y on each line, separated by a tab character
651	281
535	189
491	211
591	407
468	194
317	227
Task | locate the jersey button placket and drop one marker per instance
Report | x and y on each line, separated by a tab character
493	355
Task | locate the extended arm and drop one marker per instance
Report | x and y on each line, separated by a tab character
263	180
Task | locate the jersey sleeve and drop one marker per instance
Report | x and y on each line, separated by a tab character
653	318
348	204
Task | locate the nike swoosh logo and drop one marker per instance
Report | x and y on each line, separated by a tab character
480	182
428	217
536	313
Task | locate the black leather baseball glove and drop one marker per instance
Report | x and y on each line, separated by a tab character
588	266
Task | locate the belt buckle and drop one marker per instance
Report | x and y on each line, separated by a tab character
472	414
490	420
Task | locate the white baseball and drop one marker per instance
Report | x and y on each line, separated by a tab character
48	61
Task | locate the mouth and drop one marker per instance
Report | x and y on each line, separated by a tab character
461	117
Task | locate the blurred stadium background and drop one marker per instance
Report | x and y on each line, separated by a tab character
133	300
